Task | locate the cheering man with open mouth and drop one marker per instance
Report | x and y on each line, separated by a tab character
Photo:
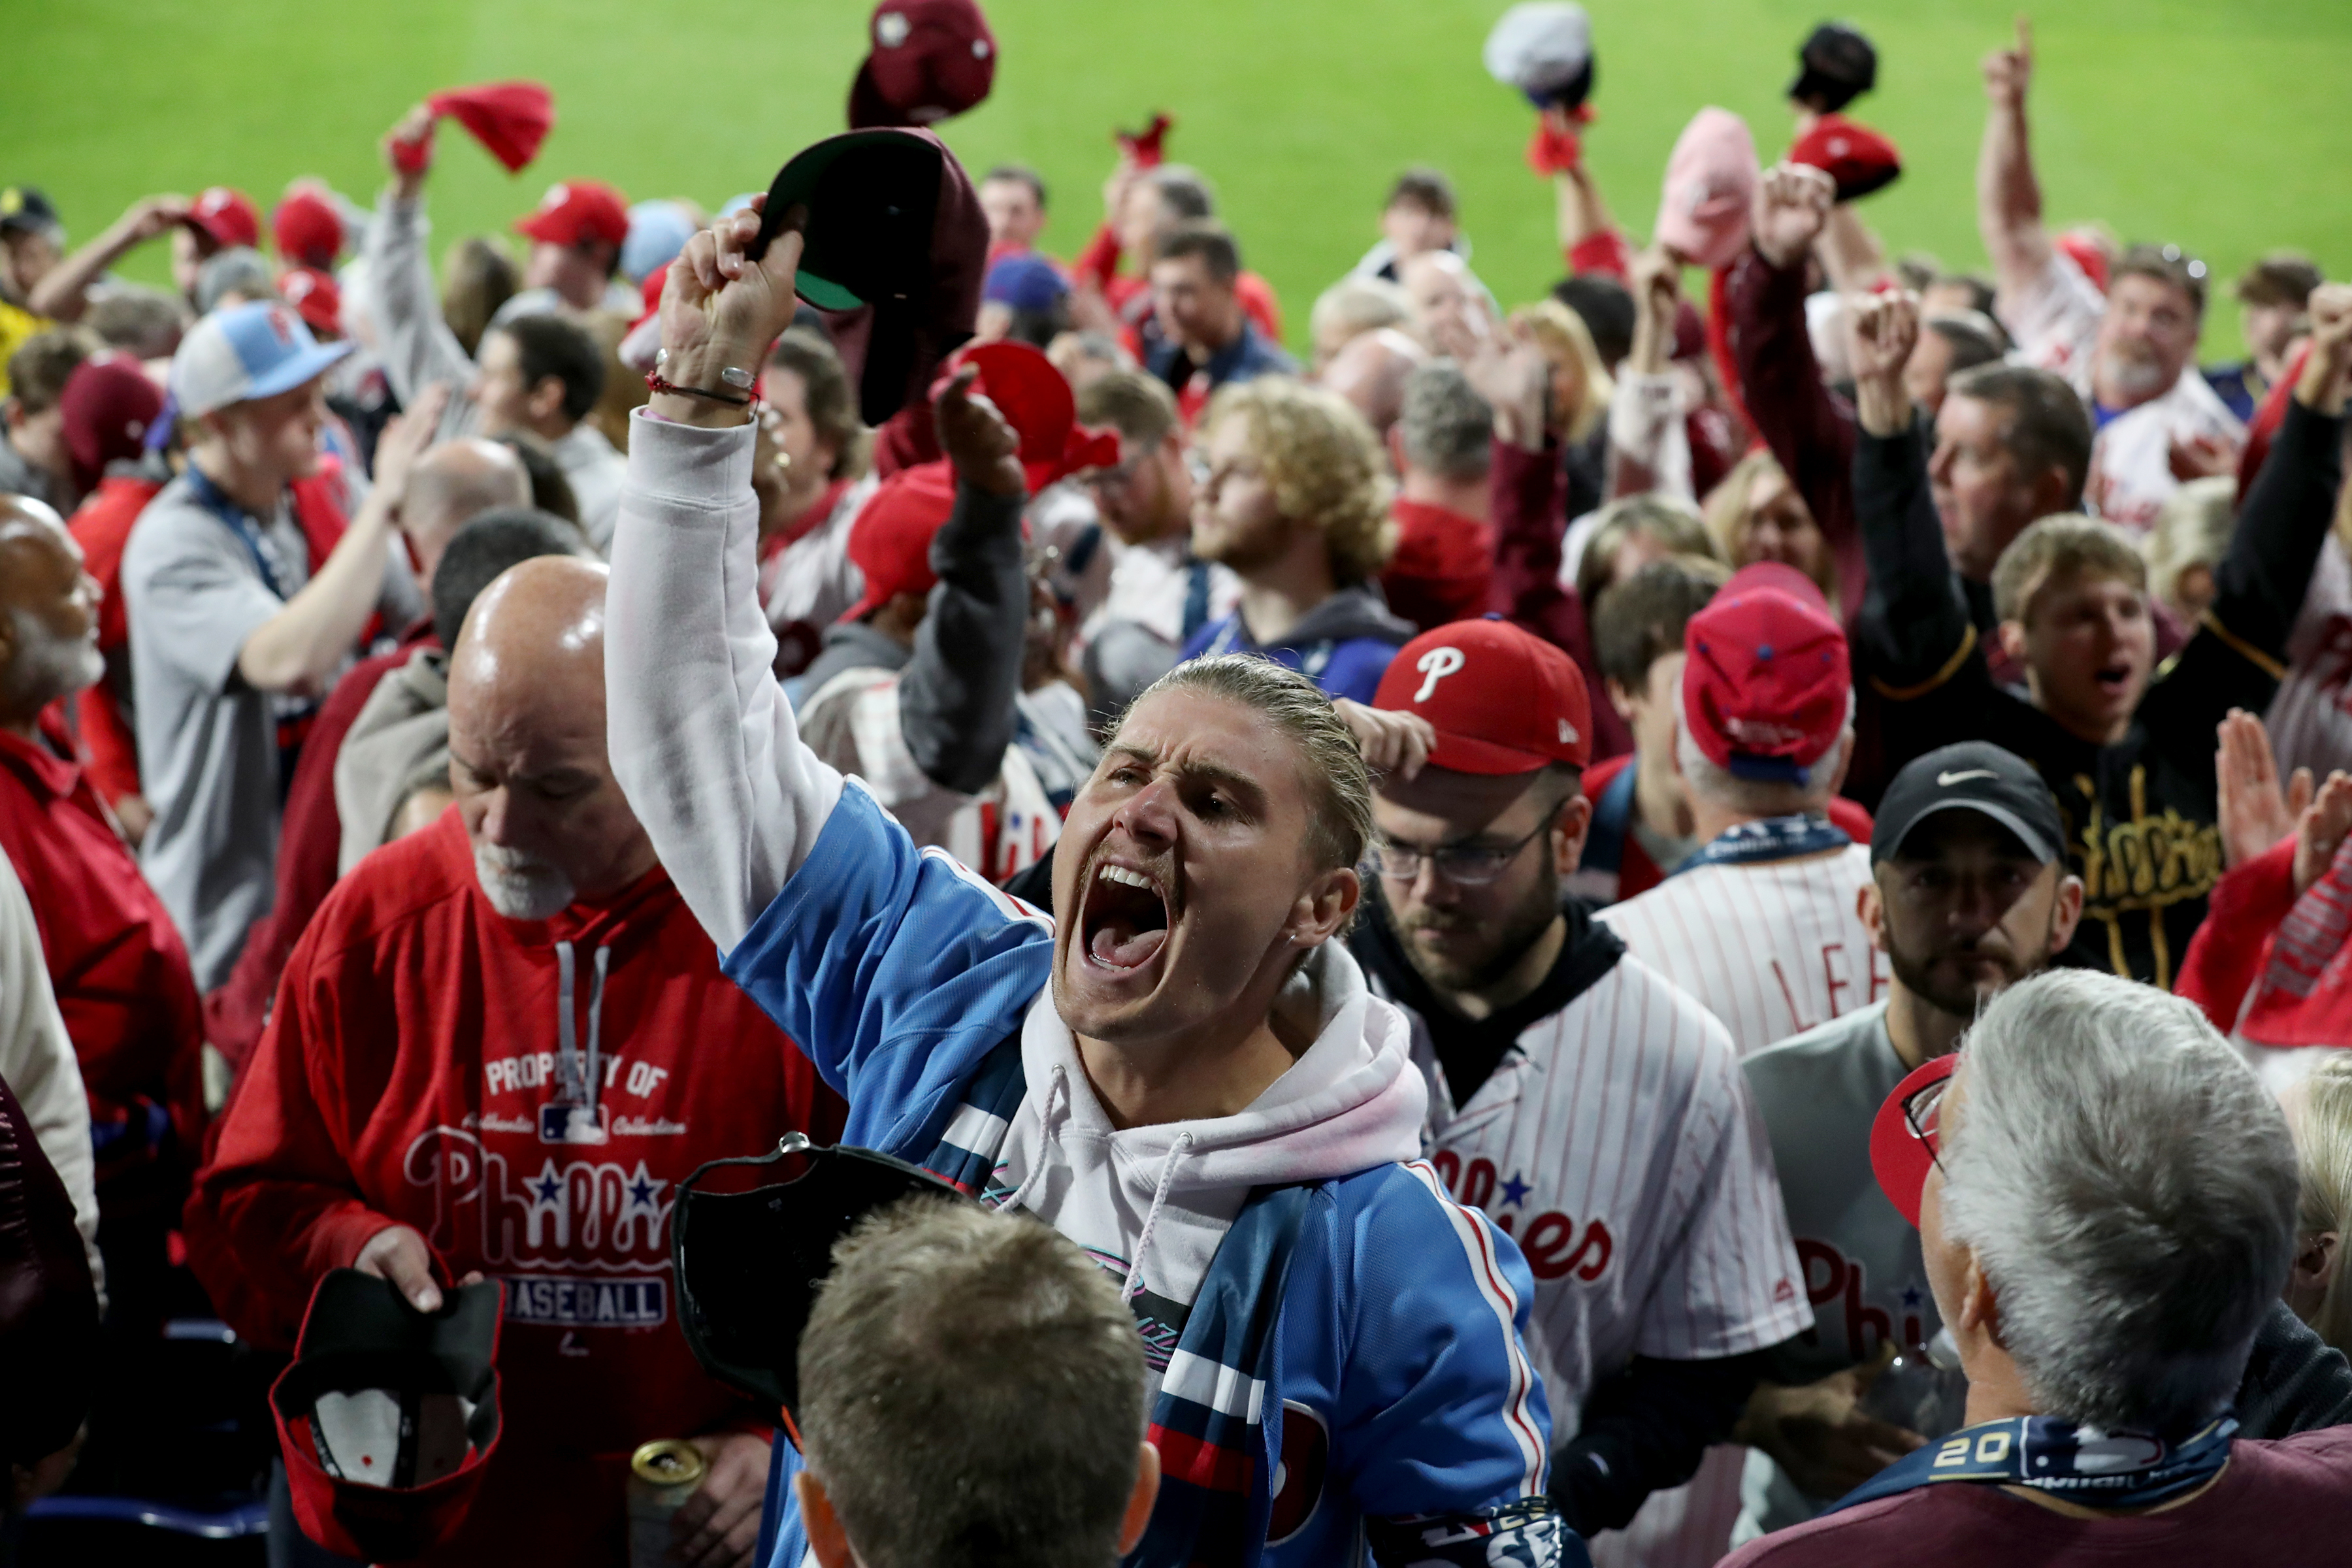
1184	1072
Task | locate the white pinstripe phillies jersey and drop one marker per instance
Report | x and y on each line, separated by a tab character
1772	948
1616	1143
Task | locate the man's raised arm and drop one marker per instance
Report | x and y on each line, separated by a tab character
2009	199
702	739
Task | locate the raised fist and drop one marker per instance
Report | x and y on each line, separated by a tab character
720	310
1886	329
1792	204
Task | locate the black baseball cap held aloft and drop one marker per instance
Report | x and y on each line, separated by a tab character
1974	775
1837	65
895	249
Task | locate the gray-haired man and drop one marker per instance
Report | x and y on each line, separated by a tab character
2105	1197
1443	445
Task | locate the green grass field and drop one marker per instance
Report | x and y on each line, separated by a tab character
2222	124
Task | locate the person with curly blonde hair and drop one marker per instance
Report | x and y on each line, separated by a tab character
1296	503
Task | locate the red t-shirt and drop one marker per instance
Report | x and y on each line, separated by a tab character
2286	1504
401	1079
1443	568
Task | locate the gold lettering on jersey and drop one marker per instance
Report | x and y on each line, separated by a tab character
2145	864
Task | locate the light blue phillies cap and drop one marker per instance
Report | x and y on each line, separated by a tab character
246	351
659	231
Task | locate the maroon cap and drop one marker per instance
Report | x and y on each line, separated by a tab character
315	298
1036	401
307	230
1859	158
1766	687
890	539
1501	700
927	61
1899	1160
896	247
107	406
388	1416
576	212
227	217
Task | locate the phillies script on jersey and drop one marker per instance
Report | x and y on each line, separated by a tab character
527	1096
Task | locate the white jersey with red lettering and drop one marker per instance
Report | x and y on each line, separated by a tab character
1771	947
1616	1142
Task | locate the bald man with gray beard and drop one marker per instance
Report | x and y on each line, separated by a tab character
514	1006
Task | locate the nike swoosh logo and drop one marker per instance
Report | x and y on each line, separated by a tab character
1947	780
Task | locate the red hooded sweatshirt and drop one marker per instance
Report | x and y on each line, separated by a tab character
416	1038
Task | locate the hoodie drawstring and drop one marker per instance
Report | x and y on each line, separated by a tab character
588	1086
1176	1150
1050	1117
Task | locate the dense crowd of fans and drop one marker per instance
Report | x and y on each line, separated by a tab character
1705	916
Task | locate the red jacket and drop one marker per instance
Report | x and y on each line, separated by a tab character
121	974
402	1078
1443	567
309	846
2236	972
1529	524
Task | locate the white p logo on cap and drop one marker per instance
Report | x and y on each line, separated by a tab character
1435	666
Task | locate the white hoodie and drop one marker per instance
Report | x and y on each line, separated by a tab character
1153	1203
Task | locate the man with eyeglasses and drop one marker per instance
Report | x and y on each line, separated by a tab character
1969	894
1593	1110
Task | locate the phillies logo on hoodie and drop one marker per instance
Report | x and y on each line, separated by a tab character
604	1222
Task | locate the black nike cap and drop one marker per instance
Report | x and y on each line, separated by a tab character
1974	775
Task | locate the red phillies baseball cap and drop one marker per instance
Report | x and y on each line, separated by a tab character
1036	401
1859	158
315	298
576	212
928	59
227	217
1501	700
1766	685
388	1416
307	230
107	406
1897	1157
890	539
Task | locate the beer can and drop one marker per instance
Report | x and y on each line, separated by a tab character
662	1474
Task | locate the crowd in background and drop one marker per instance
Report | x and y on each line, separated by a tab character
1884	657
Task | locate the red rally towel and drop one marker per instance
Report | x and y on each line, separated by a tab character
508	118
